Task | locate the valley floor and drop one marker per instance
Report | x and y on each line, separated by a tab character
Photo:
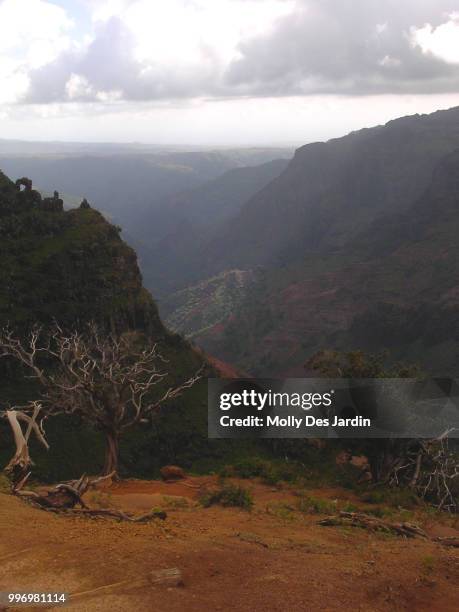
274	558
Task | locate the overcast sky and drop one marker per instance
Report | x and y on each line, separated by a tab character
221	71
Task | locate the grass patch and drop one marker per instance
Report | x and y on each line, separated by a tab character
380	512
316	505
175	503
428	564
228	495
349	507
280	510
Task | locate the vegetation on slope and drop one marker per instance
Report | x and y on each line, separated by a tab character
72	267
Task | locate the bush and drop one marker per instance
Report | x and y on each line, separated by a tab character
270	472
246	468
227	495
396	497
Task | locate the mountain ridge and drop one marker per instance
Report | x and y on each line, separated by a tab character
370	278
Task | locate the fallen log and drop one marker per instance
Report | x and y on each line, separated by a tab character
64	497
364	521
118	514
449	541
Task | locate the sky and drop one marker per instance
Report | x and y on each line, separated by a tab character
221	72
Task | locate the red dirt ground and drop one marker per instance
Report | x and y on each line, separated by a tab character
274	558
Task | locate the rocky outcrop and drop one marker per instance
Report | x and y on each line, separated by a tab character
71	266
54	204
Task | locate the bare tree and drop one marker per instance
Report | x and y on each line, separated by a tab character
431	469
16	417
110	382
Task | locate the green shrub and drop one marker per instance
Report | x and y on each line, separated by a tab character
270	472
248	468
396	497
227	495
428	564
349	507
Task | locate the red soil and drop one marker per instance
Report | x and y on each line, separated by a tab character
274	558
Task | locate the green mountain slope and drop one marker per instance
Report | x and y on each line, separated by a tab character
67	265
72	267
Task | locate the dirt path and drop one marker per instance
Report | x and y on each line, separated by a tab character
274	558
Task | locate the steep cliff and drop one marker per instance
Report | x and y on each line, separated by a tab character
73	267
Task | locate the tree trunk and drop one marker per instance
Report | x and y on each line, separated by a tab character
21	462
111	453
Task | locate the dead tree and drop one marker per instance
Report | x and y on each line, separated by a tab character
65	496
111	382
21	462
431	469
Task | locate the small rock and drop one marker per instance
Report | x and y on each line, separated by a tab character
360	461
343	457
171	577
172	472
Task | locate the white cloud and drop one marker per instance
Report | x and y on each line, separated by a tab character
441	41
32	34
78	87
34	31
354	48
143	50
163	51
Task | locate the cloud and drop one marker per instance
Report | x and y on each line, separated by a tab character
141	50
138	50
33	33
351	47
442	41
